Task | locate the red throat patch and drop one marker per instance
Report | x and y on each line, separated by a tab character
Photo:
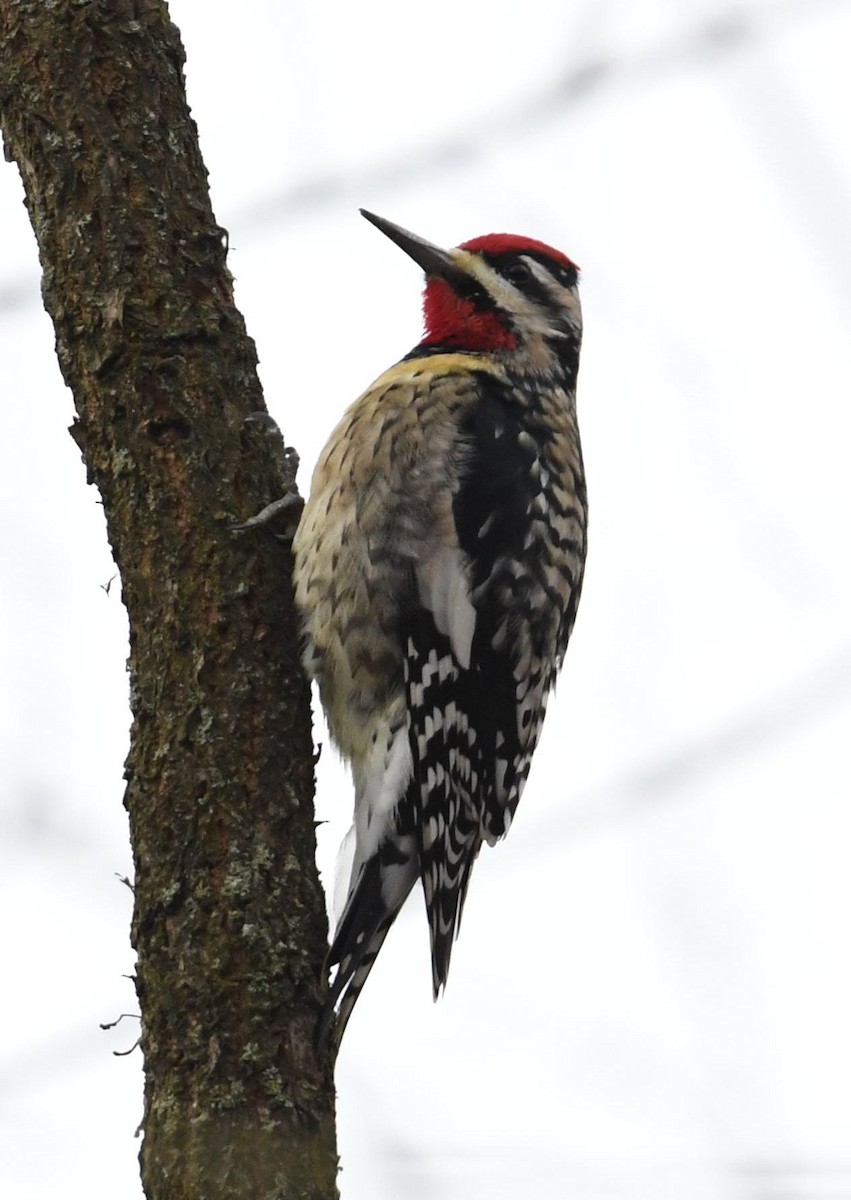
452	320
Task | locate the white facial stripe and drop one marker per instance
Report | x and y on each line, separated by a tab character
528	314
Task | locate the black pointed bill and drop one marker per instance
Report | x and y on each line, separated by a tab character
431	258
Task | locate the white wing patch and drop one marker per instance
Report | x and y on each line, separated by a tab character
445	591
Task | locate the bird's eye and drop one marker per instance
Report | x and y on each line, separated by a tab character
518	273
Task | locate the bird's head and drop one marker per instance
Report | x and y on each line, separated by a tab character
499	293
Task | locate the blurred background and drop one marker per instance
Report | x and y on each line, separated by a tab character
650	998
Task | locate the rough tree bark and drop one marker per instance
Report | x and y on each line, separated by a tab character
229	923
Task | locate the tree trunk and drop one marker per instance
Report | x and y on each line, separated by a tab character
229	923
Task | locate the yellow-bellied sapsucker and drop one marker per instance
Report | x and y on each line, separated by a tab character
439	562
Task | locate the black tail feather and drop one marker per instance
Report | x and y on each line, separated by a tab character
370	910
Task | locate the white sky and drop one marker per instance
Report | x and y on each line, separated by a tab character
650	996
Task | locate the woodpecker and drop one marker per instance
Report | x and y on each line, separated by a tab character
438	567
